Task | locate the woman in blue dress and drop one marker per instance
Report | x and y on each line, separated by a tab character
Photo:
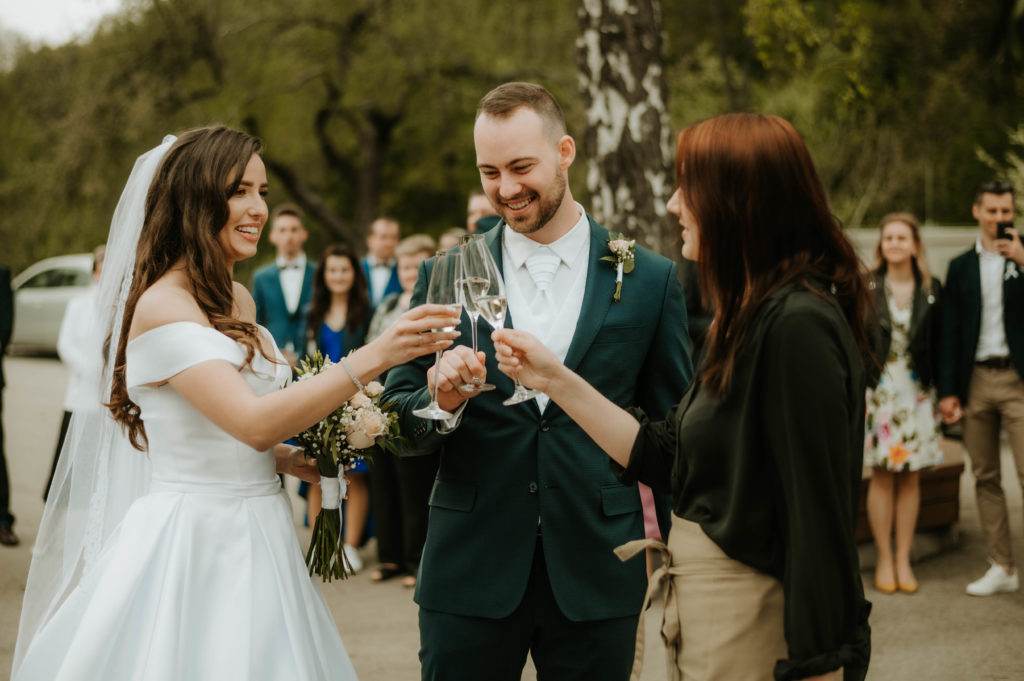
339	315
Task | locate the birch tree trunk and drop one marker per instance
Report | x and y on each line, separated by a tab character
628	142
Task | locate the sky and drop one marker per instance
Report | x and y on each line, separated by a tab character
54	22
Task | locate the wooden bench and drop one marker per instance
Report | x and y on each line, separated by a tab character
940	493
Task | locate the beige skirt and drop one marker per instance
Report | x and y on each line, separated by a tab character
723	619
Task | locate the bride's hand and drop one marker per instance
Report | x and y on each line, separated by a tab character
519	352
413	335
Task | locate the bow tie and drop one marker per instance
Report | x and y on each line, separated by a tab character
289	266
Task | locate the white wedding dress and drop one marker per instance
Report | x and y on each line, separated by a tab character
204	578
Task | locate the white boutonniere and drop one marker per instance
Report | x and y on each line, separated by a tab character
1011	271
622	258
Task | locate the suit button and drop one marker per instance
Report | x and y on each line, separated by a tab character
533	488
544	427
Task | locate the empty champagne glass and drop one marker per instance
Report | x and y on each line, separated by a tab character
492	305
440	291
472	280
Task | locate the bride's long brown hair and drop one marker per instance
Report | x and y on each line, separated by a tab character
186	207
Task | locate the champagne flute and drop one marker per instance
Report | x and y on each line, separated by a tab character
472	280
492	304
440	291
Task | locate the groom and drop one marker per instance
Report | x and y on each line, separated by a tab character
525	511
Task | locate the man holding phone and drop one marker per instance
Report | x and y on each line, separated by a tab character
981	366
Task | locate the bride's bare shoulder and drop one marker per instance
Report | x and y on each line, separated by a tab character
165	302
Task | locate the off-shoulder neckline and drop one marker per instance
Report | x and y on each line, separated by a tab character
175	324
191	323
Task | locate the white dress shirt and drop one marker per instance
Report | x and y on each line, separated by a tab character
567	290
292	273
992	339
380	275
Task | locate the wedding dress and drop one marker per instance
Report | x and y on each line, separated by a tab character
203	578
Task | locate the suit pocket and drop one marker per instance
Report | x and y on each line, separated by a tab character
455	496
620	500
619	334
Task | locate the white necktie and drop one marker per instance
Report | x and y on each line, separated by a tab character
542	265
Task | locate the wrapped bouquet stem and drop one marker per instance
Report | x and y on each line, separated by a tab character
344	436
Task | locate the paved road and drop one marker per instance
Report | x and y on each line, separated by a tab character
939	634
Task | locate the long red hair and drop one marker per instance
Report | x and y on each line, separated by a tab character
764	222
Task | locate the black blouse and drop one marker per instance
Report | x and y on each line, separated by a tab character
772	473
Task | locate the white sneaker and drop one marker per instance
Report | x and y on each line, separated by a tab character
995	581
356	563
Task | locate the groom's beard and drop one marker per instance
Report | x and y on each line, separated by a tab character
546	205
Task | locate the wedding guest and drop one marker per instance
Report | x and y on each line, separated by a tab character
981	369
282	290
480	214
72	348
184	562
763	454
379	264
902	419
525	511
450	238
7	535
338	318
400	487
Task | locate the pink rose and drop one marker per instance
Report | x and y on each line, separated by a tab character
619	246
360	400
357	439
373	389
371	423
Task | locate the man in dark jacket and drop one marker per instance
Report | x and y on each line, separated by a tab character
981	365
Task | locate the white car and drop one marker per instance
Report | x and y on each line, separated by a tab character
41	292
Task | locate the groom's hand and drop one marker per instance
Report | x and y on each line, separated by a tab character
458	366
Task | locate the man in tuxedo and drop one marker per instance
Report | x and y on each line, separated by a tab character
525	511
379	264
284	289
981	364
7	536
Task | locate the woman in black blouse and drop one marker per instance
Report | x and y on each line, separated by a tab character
763	454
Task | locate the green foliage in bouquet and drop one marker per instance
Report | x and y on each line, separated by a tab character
344	436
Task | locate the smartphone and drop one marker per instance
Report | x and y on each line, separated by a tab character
1001	232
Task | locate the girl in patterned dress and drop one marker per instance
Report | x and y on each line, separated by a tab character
902	425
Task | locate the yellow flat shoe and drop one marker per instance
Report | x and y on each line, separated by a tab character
908	588
885	587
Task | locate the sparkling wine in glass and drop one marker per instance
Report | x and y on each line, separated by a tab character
472	283
492	305
440	291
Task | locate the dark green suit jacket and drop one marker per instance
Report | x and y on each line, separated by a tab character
504	468
961	322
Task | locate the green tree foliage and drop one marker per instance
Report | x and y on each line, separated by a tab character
366	106
892	97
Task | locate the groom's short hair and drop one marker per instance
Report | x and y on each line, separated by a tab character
506	99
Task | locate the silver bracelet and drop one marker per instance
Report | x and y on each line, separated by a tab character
351	374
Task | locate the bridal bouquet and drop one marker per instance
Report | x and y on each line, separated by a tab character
344	436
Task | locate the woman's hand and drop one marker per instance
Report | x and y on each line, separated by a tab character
519	352
413	334
294	461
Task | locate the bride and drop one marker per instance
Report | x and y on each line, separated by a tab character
181	561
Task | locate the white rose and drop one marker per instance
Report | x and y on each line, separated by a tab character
373	389
618	246
371	423
360	400
357	439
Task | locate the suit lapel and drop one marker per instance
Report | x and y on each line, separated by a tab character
597	297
